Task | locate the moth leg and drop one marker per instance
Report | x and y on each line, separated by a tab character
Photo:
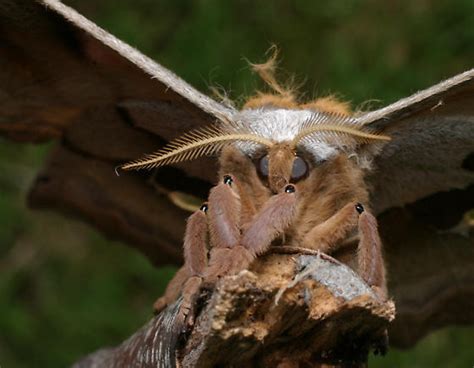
270	222
227	256
188	279
253	194
371	267
328	235
224	214
195	260
369	256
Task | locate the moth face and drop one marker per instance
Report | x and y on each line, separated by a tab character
280	166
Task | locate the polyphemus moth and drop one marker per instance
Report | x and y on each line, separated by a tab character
312	174
291	174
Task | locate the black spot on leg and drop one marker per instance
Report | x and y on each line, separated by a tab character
468	162
228	180
290	189
359	208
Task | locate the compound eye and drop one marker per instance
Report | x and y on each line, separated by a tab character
262	166
299	170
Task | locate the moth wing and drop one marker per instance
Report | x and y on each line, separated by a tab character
56	64
423	190
432	146
61	76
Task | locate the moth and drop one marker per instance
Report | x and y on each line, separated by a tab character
290	174
310	174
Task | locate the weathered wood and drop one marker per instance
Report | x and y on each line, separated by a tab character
151	346
303	309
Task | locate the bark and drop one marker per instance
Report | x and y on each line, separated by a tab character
287	311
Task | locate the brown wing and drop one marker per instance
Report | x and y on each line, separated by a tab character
55	63
63	76
423	187
432	147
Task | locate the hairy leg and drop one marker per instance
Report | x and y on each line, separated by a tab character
328	235
372	268
270	222
188	279
224	215
195	260
226	255
369	255
195	242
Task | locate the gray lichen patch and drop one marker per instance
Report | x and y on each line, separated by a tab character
339	279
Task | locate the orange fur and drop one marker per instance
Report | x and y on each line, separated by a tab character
285	95
267	71
266	100
190	295
328	104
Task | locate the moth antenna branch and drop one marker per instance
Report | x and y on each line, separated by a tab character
197	143
337	125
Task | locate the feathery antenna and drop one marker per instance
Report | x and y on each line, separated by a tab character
200	142
339	125
212	139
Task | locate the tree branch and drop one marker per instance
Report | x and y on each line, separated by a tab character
289	309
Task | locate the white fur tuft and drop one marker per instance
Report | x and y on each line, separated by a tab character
282	125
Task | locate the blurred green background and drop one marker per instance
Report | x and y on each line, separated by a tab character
66	291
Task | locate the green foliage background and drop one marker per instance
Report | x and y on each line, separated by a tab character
66	291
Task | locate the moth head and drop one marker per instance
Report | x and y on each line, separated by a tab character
284	144
282	165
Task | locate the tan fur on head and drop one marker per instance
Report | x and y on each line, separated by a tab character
267	70
328	188
329	104
265	100
285	95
